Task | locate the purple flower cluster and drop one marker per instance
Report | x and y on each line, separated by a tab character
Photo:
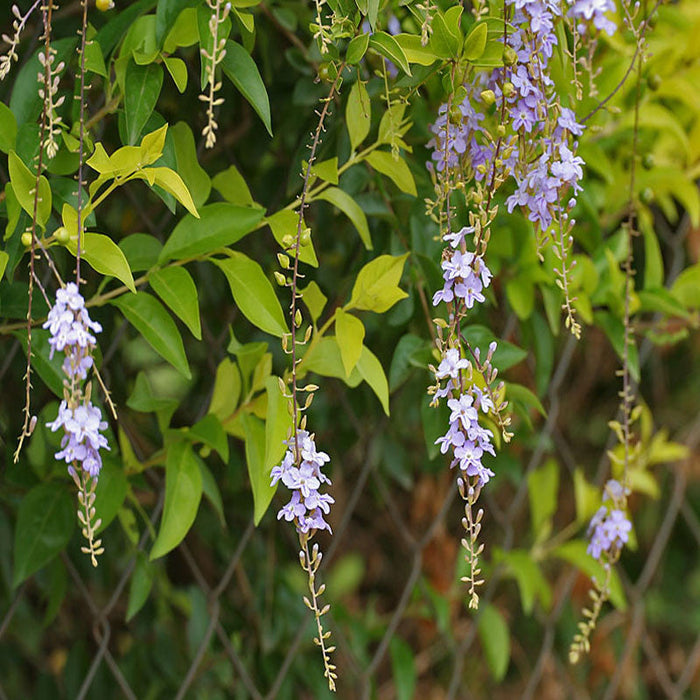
465	274
468	440
609	528
593	10
70	327
82	440
301	473
71	332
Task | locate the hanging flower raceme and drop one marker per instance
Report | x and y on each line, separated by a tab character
303	476
72	332
609	528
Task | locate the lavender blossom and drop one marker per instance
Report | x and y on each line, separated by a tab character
609	528
303	476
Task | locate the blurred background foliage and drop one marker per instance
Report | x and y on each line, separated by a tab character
221	614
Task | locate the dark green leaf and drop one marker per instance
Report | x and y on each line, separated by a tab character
175	286
144	84
495	640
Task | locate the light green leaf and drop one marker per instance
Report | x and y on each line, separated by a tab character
45	522
358	114
242	71
104	256
350	334
327	170
357	48
24	184
575	553
140	99
219	225
396	169
150	319
8	129
543	485
415	51
172	183
475	43
285	223
278	423
253	293
495	640
324	359
351	209
371	370
208	430
227	390
532	584
94	60
255	458
4	257
175	286
183	492
314	299
587	497
233	187
387	46
377	284
178	71
446	39
403	666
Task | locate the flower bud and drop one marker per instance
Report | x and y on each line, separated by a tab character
510	56
488	96
27	239
501	130
508	88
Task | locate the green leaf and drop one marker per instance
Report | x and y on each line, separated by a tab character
141	584
49	369
403	668
24	183
506	356
357	48
178	72
377	284
45	522
183	492
278	423
575	553
140	99
587	497
542	488
4	257
8	129
495	640
167	13
387	46
521	394
314	299
233	187
104	256
358	114
111	491
394	168
219	225
532	584
325	359
255	458
475	43
141	251
350	334
211	490
173	184
285	223
94	60
150	319
253	293
351	209
327	170
241	70
401	362
615	330
444	41
227	390
175	286
371	370
188	167
415	51
209	431
520	292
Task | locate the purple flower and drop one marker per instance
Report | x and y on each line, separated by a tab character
608	531
300	471
451	364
